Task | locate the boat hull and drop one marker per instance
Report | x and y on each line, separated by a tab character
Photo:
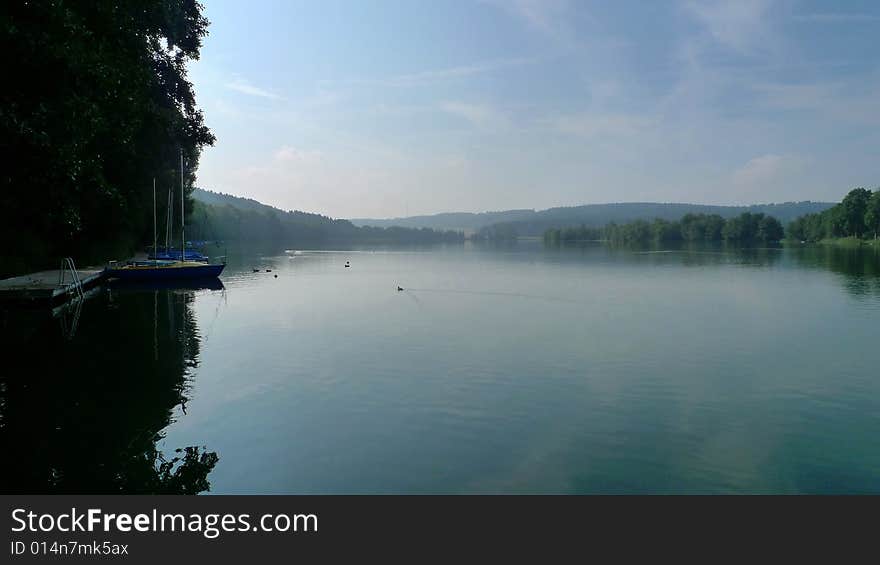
166	273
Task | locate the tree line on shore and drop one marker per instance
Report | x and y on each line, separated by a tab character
746	228
857	216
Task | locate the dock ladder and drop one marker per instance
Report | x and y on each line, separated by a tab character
67	264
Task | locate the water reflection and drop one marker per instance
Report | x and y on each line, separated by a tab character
858	267
86	408
510	368
678	254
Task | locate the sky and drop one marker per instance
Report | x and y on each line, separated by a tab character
394	108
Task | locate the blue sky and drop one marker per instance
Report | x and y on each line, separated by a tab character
380	109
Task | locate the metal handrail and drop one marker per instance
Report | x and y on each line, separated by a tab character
67	264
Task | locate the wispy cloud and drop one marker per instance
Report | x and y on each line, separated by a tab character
842	101
245	87
741	25
432	76
591	124
480	115
548	17
836	17
424	77
797	96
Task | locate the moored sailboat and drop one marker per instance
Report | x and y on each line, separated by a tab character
165	269
157	269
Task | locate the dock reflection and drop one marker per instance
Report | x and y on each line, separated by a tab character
86	413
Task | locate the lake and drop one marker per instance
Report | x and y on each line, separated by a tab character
498	369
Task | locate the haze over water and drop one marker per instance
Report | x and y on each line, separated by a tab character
498	369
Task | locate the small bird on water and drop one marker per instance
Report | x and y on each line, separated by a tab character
399	288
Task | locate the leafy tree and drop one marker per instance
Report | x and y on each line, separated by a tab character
665	232
858	215
770	229
872	214
853	209
96	104
701	227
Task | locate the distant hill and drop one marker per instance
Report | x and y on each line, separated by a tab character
465	221
218	216
534	223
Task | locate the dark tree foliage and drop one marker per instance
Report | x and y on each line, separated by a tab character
572	235
749	227
858	216
872	215
701	227
504	231
96	103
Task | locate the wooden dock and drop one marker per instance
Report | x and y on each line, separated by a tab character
47	286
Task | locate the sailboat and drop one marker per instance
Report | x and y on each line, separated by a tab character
167	253
166	269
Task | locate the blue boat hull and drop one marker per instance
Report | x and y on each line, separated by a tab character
166	274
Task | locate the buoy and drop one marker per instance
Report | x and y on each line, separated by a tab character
276	276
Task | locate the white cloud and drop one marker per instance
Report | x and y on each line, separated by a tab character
289	154
244	87
765	170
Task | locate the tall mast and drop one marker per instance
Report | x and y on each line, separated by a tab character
182	238
169	224
154	217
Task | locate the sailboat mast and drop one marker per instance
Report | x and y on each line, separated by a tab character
154	218
168	224
182	238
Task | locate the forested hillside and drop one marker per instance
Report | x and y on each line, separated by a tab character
535	223
225	217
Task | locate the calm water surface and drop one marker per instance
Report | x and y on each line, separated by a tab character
514	369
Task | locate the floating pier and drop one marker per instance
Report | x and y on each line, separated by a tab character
57	285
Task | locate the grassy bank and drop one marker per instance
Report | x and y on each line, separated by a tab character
851	242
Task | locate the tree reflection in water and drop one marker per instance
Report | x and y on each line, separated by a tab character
857	267
84	413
